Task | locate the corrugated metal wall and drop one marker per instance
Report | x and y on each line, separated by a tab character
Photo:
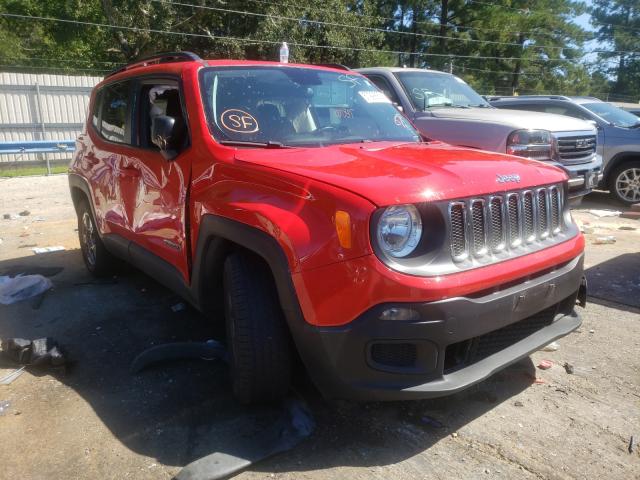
42	107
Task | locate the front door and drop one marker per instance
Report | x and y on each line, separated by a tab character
157	192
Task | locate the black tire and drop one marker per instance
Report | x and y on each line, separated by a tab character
257	335
96	257
624	182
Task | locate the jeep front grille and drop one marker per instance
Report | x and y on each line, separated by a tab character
576	149
486	226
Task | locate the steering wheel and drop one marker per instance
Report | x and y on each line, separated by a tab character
327	128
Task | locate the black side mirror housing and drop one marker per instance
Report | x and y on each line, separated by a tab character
166	134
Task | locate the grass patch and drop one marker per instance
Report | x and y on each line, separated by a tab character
27	171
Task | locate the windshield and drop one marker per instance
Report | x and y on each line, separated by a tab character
428	90
293	106
613	114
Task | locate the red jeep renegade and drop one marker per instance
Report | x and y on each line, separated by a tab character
298	204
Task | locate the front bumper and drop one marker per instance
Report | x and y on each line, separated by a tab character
453	344
583	177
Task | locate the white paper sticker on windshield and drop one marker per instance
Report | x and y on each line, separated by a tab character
374	97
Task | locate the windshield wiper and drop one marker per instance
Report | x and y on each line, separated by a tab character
481	105
242	143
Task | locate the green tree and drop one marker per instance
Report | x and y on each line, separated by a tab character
618	26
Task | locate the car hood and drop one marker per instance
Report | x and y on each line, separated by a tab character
516	118
388	173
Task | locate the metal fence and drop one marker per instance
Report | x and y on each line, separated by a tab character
42	107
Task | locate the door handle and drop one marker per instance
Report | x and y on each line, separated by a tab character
129	172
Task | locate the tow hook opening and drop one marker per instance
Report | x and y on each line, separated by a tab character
581	299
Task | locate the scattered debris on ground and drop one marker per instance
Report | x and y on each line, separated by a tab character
552	347
606	240
604	213
9	379
568	368
4	407
22	287
41	352
57	248
545	364
178	307
209	350
432	422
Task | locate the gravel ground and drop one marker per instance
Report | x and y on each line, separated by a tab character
97	420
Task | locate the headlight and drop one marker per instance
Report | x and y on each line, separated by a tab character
399	230
534	144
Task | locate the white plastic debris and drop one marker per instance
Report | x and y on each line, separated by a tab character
604	213
19	288
607	240
178	307
38	250
552	347
8	379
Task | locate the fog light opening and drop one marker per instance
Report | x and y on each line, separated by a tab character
399	313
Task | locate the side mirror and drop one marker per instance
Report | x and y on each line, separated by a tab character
595	124
166	134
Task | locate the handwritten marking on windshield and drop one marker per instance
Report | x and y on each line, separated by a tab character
344	113
239	121
353	80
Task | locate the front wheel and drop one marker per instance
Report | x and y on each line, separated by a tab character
96	257
257	335
624	182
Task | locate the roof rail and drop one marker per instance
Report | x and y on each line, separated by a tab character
552	97
166	57
338	66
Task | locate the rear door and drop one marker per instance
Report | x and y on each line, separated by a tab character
106	159
158	188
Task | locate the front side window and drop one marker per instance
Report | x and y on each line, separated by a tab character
115	109
297	106
429	90
159	99
613	114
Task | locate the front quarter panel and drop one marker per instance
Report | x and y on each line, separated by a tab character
298	213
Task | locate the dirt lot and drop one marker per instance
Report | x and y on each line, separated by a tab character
98	420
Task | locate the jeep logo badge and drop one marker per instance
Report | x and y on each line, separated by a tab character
512	177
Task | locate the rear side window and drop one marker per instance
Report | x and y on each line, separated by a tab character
113	124
97	104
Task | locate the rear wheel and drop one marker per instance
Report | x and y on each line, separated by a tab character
257	335
624	182
96	257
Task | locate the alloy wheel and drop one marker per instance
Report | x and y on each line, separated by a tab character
628	184
89	239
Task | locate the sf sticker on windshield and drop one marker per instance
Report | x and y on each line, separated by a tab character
373	96
239	121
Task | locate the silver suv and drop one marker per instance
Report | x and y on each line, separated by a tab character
618	136
443	107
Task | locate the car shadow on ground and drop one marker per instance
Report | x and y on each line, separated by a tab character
600	199
616	280
180	411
